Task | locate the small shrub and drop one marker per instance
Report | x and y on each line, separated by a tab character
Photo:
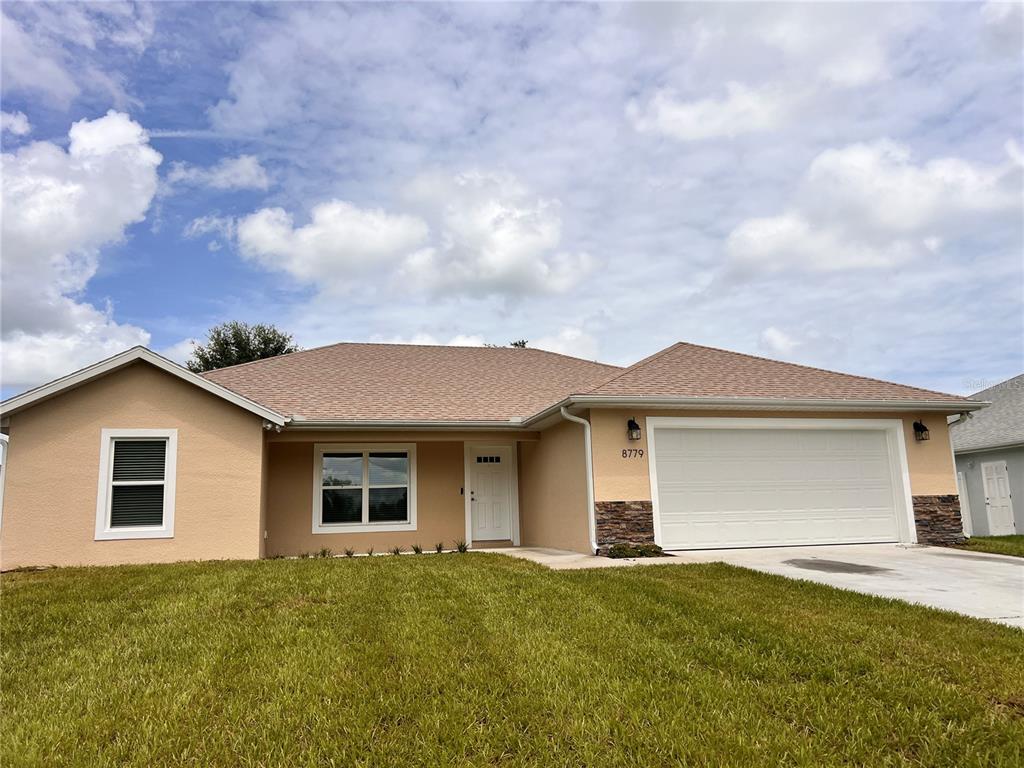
651	550
633	550
439	547
369	552
349	552
417	549
325	552
396	550
461	546
304	555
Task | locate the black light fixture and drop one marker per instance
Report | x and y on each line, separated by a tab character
921	432
632	429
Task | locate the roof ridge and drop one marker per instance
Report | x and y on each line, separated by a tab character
562	354
404	345
651	358
821	370
638	364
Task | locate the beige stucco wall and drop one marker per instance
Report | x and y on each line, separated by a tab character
553	490
440	504
49	515
627	479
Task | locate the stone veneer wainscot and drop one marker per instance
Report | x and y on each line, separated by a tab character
632	522
938	520
624	522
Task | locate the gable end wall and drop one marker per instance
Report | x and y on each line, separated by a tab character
49	514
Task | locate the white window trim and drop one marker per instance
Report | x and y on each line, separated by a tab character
319	449
103	530
895	443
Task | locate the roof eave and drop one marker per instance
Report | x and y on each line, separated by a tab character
299	424
103	367
985	448
751	403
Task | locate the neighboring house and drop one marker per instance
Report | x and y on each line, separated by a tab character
989	449
136	459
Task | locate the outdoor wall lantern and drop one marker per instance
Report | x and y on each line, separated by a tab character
632	430
921	432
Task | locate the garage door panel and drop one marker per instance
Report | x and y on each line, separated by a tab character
763	487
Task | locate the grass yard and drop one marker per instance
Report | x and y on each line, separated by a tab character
480	659
997	545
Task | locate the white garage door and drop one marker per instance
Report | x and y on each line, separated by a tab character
774	487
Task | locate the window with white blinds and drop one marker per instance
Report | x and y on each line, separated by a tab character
137	483
136	497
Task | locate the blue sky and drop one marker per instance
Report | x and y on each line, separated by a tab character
835	185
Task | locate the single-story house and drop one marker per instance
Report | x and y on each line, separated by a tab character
136	459
989	448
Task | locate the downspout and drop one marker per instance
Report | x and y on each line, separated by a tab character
4	450
590	474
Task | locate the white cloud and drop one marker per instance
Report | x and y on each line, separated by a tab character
778	341
59	208
212	224
826	45
870	205
339	242
242	172
494	237
178	352
1004	26
806	345
429	339
491	235
58	50
778	61
540	92
29	64
569	341
741	110
15	122
879	186
779	242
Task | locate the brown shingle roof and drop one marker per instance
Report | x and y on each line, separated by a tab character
370	382
690	370
403	382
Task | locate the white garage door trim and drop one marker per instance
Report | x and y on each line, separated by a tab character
895	440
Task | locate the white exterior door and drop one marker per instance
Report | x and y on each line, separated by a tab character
490	493
740	487
965	505
998	503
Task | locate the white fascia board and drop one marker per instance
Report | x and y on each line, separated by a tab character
87	374
750	403
385	424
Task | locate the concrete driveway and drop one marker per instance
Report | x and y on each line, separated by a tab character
974	584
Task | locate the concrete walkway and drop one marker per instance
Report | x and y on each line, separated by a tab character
975	584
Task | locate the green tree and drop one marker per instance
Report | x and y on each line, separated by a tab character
519	343
235	342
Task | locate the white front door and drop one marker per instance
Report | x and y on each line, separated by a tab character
997	498
490	492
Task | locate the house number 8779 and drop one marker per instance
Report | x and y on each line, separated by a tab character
632	453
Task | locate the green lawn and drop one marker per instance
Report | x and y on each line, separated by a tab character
998	545
479	659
